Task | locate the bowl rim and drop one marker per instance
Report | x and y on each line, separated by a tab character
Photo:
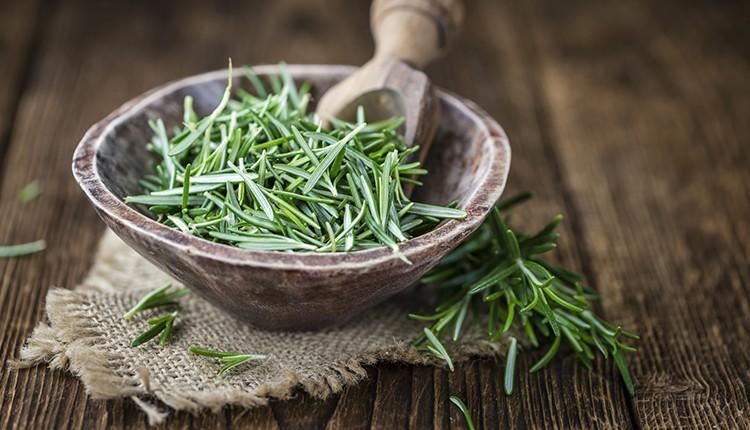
478	203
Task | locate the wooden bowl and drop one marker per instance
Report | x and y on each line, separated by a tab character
468	161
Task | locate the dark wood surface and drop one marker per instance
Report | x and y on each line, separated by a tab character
631	118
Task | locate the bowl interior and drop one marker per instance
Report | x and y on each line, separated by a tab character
455	162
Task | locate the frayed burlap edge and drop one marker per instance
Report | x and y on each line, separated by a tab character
72	342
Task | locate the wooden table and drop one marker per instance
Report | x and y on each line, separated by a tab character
631	118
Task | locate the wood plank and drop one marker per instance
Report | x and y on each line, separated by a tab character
457	386
354	407
441	404
19	30
392	397
649	104
422	398
303	412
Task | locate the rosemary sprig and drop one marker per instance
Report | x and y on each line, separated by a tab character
464	410
499	273
259	172
161	326
510	365
437	348
228	360
22	249
158	297
30	191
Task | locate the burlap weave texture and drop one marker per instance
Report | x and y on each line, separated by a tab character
86	335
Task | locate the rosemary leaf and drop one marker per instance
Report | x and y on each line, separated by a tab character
510	366
437	211
30	191
22	249
159	297
464	410
228	360
329	158
188	141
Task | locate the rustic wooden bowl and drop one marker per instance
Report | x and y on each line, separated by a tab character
469	161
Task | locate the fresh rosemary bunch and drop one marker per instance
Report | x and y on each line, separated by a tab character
499	272
260	172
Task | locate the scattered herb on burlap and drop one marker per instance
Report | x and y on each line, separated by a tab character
162	296
160	326
22	249
228	360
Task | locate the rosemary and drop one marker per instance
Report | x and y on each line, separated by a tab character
22	249
464	410
498	272
260	172
30	191
228	360
160	326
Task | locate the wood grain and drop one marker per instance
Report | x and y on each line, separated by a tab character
628	117
19	37
662	196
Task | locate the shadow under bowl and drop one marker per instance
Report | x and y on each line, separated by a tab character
469	162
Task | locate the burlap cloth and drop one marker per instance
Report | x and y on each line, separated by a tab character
86	335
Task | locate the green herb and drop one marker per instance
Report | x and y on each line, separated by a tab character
29	192
464	410
259	172
499	273
22	249
437	348
161	326
510	365
228	360
158	297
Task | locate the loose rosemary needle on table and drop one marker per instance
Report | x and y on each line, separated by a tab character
160	326
22	249
259	172
464	410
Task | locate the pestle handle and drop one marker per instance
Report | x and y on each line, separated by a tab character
414	31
